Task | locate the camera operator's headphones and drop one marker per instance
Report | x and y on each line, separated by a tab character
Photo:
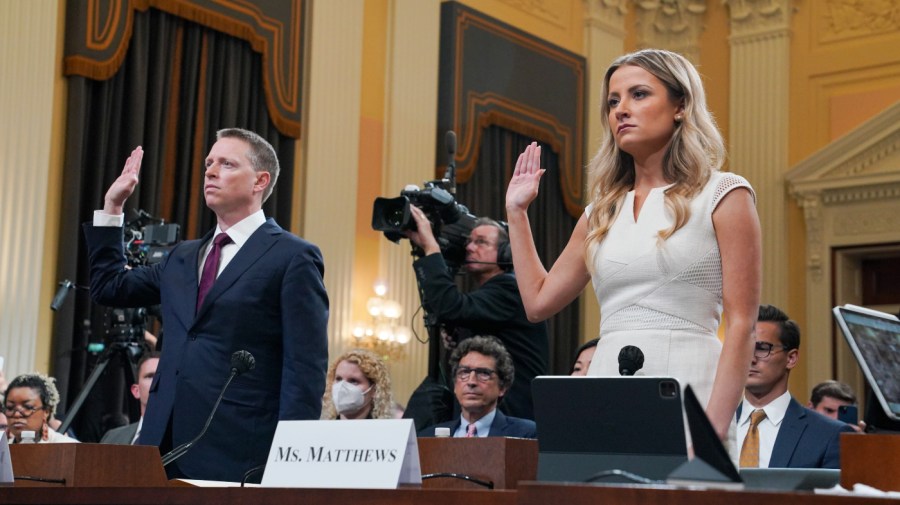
504	252
504	255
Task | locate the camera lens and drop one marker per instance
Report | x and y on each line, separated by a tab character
395	218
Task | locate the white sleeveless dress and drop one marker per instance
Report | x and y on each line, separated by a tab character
664	297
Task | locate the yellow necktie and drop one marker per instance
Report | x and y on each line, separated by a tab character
750	449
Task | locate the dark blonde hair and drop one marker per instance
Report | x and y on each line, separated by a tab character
374	368
694	153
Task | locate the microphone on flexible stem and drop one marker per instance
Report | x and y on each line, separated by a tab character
450	174
241	362
61	294
631	359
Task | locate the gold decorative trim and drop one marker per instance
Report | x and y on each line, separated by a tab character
671	24
752	17
107	29
849	19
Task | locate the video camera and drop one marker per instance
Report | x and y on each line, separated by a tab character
451	221
148	240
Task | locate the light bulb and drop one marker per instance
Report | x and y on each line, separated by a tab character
392	309
383	332
403	335
375	306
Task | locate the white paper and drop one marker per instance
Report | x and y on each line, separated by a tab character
363	454
6	471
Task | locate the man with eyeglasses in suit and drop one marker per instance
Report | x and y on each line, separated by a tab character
483	371
778	432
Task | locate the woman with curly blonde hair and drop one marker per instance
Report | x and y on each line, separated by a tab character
358	386
668	240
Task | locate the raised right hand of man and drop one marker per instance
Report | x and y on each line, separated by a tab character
124	185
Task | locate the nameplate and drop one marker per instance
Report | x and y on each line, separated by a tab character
364	454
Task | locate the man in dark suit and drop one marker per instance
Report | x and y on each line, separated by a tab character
484	372
777	431
256	287
128	434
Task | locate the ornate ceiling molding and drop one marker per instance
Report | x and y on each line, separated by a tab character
847	19
608	15
671	24
759	18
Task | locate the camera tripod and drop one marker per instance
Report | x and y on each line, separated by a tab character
128	350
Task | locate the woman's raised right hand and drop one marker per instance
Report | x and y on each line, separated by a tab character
526	178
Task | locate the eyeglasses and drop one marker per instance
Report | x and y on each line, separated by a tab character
22	410
764	349
480	242
482	374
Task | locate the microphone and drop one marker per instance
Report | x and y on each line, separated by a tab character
631	359
450	142
241	362
450	174
60	297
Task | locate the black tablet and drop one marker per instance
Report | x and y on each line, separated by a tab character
608	429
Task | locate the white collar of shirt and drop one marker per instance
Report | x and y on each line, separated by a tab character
240	233
137	432
775	411
768	427
482	426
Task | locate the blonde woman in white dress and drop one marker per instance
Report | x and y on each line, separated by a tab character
668	240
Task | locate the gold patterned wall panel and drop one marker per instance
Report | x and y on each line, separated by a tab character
845	68
560	22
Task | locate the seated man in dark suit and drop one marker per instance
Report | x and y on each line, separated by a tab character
777	431
128	434
483	372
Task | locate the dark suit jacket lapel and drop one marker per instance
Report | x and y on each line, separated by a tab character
188	263
498	427
256	246
789	434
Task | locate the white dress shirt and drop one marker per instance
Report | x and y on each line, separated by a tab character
768	427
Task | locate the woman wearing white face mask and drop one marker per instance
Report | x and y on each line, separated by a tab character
358	386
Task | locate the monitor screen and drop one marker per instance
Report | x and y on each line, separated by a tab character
874	338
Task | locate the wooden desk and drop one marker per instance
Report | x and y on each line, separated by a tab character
534	493
528	493
80	465
244	496
870	459
503	461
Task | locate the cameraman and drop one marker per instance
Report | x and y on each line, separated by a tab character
495	308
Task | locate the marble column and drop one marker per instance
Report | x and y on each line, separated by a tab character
758	147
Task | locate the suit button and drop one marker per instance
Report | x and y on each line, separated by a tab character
193	337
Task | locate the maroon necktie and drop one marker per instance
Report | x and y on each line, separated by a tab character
211	267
